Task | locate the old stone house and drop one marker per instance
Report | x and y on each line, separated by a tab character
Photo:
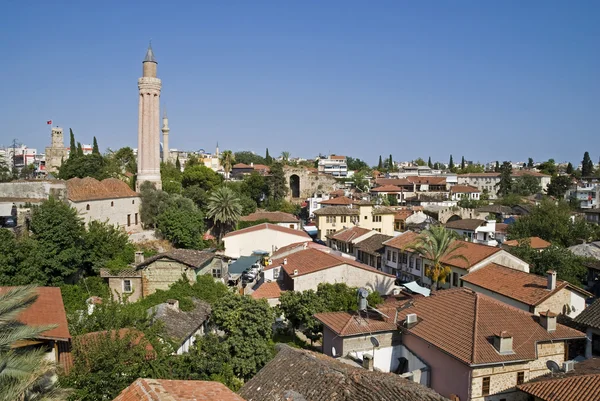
370	250
363	214
158	272
590	319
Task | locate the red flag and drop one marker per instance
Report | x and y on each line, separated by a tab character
49	122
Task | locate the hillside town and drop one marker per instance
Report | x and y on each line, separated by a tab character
153	273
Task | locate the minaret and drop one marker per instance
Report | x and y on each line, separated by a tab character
148	124
217	150
165	131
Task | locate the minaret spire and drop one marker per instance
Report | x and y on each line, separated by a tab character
150	54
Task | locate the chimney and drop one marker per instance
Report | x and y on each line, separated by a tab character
503	342
251	164
295	272
139	257
411	320
548	321
173	303
551	275
285	261
368	361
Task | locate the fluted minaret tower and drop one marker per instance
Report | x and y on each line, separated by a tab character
148	124
165	131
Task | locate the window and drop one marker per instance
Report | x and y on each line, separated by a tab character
412	262
136	219
291	226
485	386
376	219
389	255
87	207
128	220
275	274
112	204
404	258
127	286
343	219
366	217
133	202
216	273
520	378
378	230
330	219
329	232
394	256
454	279
418	267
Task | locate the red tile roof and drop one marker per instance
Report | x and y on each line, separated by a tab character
524	287
403	240
267	226
393	181
387	188
47	310
460	322
262	167
274	217
334	157
88	188
466	189
466	224
474	253
298	246
241	165
340	200
348	234
177	390
134	335
534	242
348	324
417	179
403	214
501	227
268	290
312	260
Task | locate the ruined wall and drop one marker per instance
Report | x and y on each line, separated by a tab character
161	274
34	190
310	182
464	213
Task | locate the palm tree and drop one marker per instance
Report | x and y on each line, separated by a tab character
24	373
285	157
435	244
225	209
227	160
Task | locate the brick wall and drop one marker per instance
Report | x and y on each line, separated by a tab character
555	303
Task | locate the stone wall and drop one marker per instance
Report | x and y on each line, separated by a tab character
556	303
161	274
121	212
33	189
310	183
445	214
116	287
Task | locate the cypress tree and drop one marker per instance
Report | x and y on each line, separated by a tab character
95	149
462	163
587	166
79	150
178	163
530	163
380	165
451	164
391	163
268	158
429	163
569	168
72	146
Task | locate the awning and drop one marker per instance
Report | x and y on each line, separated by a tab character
416	288
311	229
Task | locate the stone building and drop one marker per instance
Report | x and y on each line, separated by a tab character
331	219
56	152
110	200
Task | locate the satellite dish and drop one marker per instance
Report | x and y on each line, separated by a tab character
333	352
553	366
363	293
376	343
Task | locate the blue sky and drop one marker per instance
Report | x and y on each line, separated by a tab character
487	80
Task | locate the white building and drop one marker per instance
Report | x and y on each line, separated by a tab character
334	165
588	195
475	230
263	237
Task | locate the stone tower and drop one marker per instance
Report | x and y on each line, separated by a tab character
56	152
165	131
148	155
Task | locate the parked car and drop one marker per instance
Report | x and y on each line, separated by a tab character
9	222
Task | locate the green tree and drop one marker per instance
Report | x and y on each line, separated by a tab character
380	164
569	168
178	163
23	370
504	186
391	164
559	185
587	165
106	246
462	163
530	163
247	157
268	158
255	186
435	244
429	164
227	160
72	145
451	164
95	148
277	185
548	167
153	203
420	162
59	233
497	167
171	178
247	327
285	157
224	209
356	164
360	181
181	223
202	176
526	185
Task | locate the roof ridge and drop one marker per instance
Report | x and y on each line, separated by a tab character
474	339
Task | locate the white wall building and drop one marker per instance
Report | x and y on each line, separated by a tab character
264	237
334	165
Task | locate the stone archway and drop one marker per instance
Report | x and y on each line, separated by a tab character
454	218
295	185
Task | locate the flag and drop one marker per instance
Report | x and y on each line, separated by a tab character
49	122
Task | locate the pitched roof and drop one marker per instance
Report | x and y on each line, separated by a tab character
189	257
267	226
348	234
464	189
135	336
88	188
590	316
373	243
262	167
501	227
387	188
274	217
466	224
179	324
340	200
393	181
337	157
336	211
241	165
298	246
418	179
501	209
176	390
474	253
580	384
382	210
304	375
528	288
460	322
48	309
403	214
403	240
106	273
312	260
534	242
268	290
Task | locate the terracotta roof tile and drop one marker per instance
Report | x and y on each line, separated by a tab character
268	290
417	179
298	246
590	316
304	375
387	188
348	324
373	243
189	257
403	214
337	211
340	200
461	321
393	181
474	253
267	226
312	260
534	242
464	189
348	234
177	390
576	388
241	165
501	227
528	288
403	240
466	224
334	157
47	310
273	217
88	188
